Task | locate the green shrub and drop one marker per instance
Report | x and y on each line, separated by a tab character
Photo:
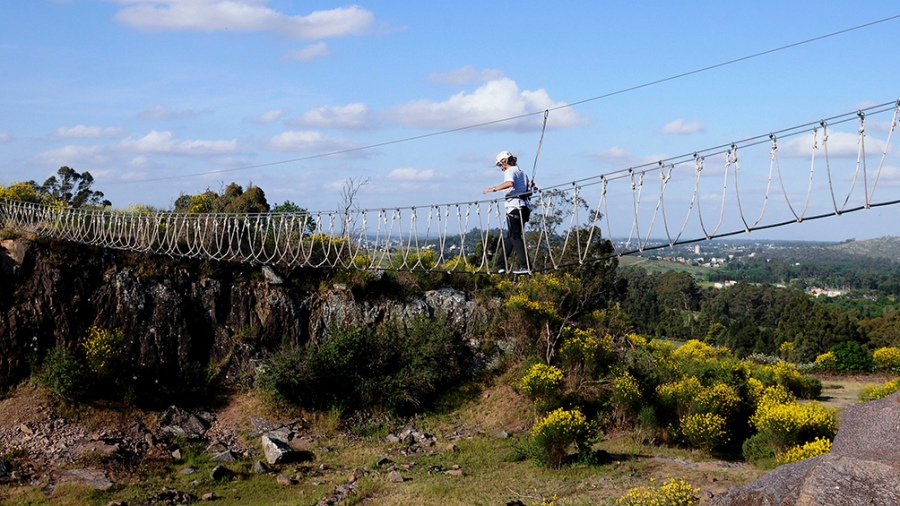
63	374
851	357
398	369
759	450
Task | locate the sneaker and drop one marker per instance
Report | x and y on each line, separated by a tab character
501	271
521	271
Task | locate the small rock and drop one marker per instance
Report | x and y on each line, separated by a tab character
451	447
275	450
89	477
176	454
216	448
383	461
455	472
188	470
284	480
209	496
220	473
226	456
260	467
502	434
395	476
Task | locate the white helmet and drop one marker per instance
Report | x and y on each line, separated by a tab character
503	155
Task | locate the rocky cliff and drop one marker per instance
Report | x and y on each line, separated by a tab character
179	314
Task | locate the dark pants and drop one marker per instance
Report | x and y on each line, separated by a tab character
515	226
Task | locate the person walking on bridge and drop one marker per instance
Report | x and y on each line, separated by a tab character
517	206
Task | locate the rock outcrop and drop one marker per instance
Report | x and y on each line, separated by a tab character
178	315
862	468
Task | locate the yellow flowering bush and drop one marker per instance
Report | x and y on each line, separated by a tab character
671	493
541	381
102	350
787	350
705	431
25	192
826	361
872	392
553	434
678	396
552	501
773	396
636	340
422	259
755	389
325	249
540	309
720	399
585	349
790	424
698	350
887	359
627	392
818	446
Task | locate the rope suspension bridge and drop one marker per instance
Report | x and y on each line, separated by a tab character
822	169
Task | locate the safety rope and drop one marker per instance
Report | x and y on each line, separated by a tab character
468	236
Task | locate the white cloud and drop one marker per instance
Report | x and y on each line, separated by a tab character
166	143
161	112
270	116
465	75
840	144
309	141
493	101
71	156
889	176
309	53
243	16
89	132
5	137
683	127
411	174
347	116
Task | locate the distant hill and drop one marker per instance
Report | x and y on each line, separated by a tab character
881	247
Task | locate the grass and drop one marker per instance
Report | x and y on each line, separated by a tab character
468	437
471	422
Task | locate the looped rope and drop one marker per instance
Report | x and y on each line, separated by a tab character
469	236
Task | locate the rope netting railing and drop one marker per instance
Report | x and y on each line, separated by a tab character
803	173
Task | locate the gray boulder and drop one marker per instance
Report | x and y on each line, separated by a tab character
862	468
275	450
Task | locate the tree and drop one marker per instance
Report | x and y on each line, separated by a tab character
232	200
73	189
348	202
288	207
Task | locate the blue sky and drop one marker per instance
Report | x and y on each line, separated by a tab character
156	98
